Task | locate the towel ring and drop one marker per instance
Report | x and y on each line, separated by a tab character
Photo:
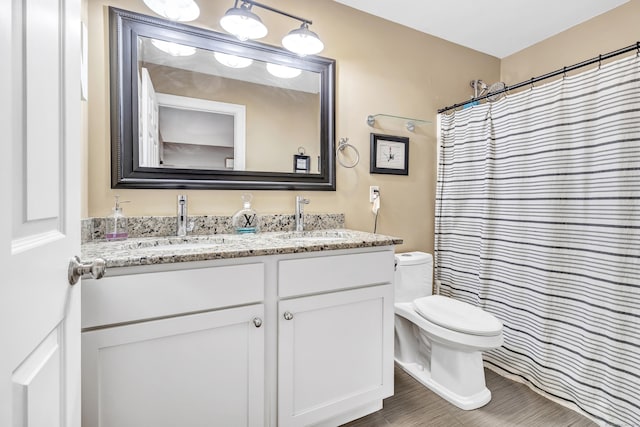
342	144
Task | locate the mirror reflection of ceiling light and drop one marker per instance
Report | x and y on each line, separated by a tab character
283	71
232	61
241	22
176	10
173	49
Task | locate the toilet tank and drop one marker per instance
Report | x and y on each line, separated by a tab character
413	276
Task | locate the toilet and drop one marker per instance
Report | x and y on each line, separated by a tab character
439	340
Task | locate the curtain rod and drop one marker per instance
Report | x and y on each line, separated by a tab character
563	70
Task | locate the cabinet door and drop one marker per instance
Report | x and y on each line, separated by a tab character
335	353
198	370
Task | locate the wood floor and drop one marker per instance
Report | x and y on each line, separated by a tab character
512	404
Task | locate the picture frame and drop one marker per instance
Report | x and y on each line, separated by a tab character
389	154
301	163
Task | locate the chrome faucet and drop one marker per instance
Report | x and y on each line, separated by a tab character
182	215
300	202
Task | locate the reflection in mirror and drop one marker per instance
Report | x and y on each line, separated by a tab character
198	134
267	92
213	112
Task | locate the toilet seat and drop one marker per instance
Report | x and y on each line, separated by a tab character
442	334
457	316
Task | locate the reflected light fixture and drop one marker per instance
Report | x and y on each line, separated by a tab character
283	71
175	10
173	49
232	61
241	22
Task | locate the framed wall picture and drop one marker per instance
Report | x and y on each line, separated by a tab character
301	163
389	154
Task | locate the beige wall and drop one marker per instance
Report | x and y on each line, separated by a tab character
605	33
381	68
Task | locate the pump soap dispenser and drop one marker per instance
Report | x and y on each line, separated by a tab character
116	223
246	219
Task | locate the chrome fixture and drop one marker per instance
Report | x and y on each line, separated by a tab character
300	202
176	10
241	22
181	225
303	41
287	315
95	269
343	144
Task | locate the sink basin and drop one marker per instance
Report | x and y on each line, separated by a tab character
174	243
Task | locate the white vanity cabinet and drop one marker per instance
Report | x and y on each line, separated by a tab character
335	345
276	340
147	363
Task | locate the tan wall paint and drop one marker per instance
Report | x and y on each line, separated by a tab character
382	67
605	33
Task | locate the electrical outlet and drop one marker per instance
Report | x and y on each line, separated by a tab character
374	191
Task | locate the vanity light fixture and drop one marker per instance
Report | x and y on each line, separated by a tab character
175	10
173	49
283	71
241	22
232	61
303	41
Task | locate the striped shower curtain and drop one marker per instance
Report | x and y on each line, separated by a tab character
538	222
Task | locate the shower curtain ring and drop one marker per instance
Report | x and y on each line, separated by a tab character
638	49
599	61
531	84
564	72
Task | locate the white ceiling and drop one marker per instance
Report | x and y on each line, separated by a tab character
496	27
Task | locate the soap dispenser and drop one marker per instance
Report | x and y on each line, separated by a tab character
246	219
116	223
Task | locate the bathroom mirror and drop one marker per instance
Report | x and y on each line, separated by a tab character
193	108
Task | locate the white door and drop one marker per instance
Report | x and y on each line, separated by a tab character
149	146
40	220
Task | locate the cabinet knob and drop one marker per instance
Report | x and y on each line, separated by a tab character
257	322
288	315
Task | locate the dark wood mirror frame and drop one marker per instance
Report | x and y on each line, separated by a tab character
125	27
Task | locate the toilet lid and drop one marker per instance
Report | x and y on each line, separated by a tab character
457	315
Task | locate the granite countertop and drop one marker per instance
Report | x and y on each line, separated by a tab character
166	250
